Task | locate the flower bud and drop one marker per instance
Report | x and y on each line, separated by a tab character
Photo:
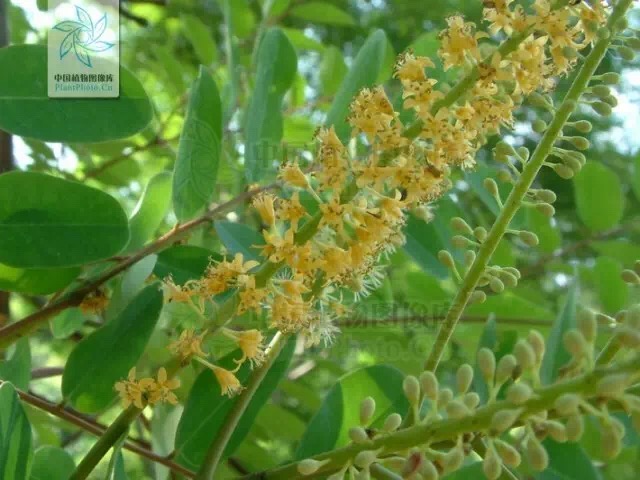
611	101
510	456
519	393
612	385
444	397
600	91
610	441
480	233
602	108
411	389
536	341
536	454
487	364
428	471
453	459
539	126
635	419
575	428
446	259
469	257
584	126
504	176
429	384
464	377
563	172
524	354
392	423
456	410
459	241
587	325
358	435
603	33
575	343
310	466
496	285
626	53
633	42
556	430
523	152
529	238
505	368
610	78
504	419
538	100
547	196
471	400
459	225
367	409
580	143
546	209
491	186
365	458
477	297
491	465
504	148
567	404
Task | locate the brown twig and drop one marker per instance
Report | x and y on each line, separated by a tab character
11	333
90	426
46	372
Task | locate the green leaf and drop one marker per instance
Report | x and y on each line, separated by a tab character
52	463
622	250
635	177
276	72
196	169
36	281
424	241
239	238
15	436
329	428
322	12
569	460
67	322
206	409
488	339
17	367
26	109
555	355
184	263
468	472
364	72
170	67
301	41
119	174
599	197
49	222
90	375
200	37
612	290
332	70
150	211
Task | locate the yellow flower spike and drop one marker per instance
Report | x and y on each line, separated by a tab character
161	390
264	204
229	383
176	293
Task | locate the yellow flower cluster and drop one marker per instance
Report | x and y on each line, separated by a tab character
361	204
147	391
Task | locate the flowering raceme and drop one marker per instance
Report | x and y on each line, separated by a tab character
328	252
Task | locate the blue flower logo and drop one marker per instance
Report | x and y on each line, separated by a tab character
83	36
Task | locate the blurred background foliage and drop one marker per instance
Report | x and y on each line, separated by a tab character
593	236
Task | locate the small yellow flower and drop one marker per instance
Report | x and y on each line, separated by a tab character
250	342
229	383
134	391
188	345
264	205
293	175
95	302
161	390
176	293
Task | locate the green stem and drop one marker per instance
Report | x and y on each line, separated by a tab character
115	431
520	189
217	448
450	429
